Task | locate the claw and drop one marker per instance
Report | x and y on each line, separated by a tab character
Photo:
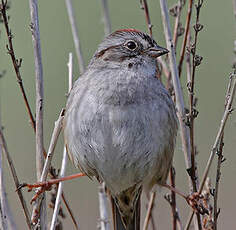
194	200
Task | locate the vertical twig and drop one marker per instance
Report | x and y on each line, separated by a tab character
184	131
3	196
55	135
64	159
144	6
75	34
173	198
103	208
39	102
16	62
178	30
149	210
6	217
196	61
186	31
160	60
106	17
15	178
59	191
221	159
224	119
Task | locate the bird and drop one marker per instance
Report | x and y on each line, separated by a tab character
120	122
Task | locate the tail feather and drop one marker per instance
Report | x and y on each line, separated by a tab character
126	215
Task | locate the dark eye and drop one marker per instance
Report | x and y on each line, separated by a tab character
131	45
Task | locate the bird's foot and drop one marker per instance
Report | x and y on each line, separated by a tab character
46	185
195	201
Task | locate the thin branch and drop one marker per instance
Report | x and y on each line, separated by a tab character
16	62
70	72
218	174
178	30
39	103
4	213
103	208
71	15
149	210
184	131
106	17
64	159
6	218
59	191
15	178
196	61
173	198
221	159
224	119
54	138
144	6
186	31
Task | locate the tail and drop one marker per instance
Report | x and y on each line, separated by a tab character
126	209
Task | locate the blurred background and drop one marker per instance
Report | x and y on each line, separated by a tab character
215	44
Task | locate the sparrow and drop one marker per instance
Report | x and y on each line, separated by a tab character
120	122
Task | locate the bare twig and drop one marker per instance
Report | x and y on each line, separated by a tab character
15	178
70	72
75	34
144	6
59	191
188	61
186	31
221	159
184	131
103	208
16	62
149	210
6	218
64	159
55	135
39	103
173	198
106	17
224	119
196	60
178	30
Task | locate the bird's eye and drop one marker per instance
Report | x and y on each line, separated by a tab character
131	45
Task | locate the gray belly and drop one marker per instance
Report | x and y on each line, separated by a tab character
121	145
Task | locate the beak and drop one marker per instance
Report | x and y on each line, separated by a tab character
157	51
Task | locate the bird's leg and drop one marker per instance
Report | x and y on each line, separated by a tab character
47	185
194	199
